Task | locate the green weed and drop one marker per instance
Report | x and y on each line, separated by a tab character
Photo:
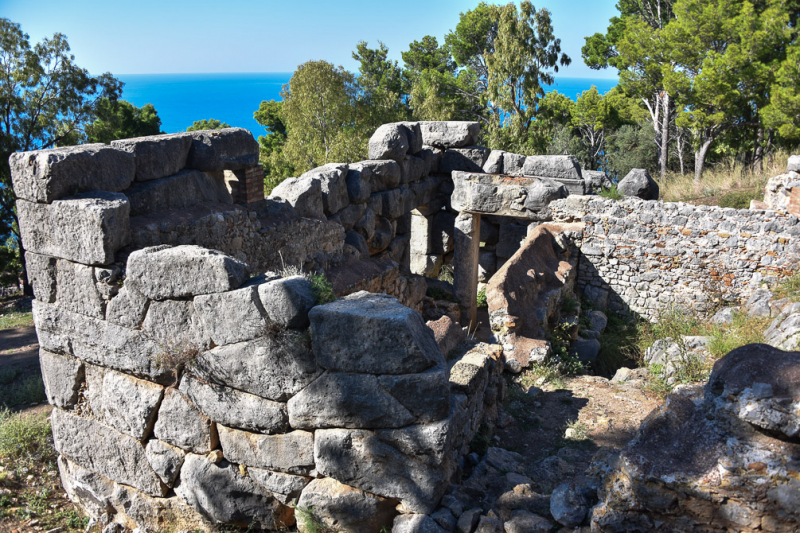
740	199
447	273
789	288
481	299
612	193
570	305
24	391
25	439
322	288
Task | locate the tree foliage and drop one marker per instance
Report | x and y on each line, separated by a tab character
119	119
207	124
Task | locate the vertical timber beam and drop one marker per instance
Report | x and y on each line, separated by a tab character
465	262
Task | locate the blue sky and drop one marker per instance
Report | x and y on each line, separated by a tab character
177	36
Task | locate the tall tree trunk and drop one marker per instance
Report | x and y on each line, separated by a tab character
758	152
700	158
664	134
680	141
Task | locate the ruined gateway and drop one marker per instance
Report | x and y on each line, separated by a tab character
198	380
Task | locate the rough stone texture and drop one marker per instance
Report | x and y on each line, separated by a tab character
224	149
346	401
44	176
569	505
127	308
359	183
184	189
526	522
415	523
412	169
76	289
235	408
285	487
304	195
425	395
504	195
157	156
165	460
232	316
448	334
793	164
778	190
275	367
372	333
466	233
390	141
291	452
174	272
106	451
287	301
585	350
552	166
180	423
62	376
386	174
175	326
494	163
87	228
41	270
468	159
344	508
451	134
224	496
596	181
127	404
333	185
638	183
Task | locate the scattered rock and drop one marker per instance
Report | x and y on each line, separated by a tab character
638	183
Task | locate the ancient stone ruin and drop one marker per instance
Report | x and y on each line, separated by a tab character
201	375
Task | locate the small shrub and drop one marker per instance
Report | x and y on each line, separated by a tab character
481	299
446	273
175	357
570	305
612	193
440	294
25	438
576	431
739	199
789	288
322	288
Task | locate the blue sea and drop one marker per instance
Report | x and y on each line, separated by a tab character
180	99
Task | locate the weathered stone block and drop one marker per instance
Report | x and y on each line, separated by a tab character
184	189
346	400
552	166
359	183
174	325
344	508
44	176
163	272
513	163
180	423
106	451
412	169
41	270
503	195
232	316
76	289
390	141
62	376
235	408
384	233
304	195
88	228
285	487
225	149
333	184
372	333
449	134
349	216
287	301
127	308
274	367
165	460
291	452
386	174
468	159
425	395
157	156
638	183
418	523
494	163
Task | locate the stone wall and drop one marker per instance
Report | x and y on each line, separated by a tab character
192	384
645	256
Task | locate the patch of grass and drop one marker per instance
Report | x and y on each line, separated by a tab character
482	440
310	522
743	330
612	193
619	344
176	356
322	288
11	319
481	299
740	199
789	288
24	391
576	431
673	323
25	438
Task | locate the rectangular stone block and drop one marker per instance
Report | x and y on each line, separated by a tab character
46	175
552	166
224	149
157	156
291	452
184	189
62	376
41	270
181	424
449	134
76	289
232	316
88	228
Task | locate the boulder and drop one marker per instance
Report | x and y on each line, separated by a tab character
468	159
340	507
187	188
41	271
333	184
44	176
793	164
597	320
62	376
359	183
412	169
513	164
552	166
638	183
523	521
449	134
224	149
494	163
724	315
157	156
596	181
235	408
448	334
498	195
276	366
180	423
386	174
415	523
304	195
288	300
232	316
390	141
291	452
87	228
758	303
105	450
569	505
285	488
161	272
372	333
165	460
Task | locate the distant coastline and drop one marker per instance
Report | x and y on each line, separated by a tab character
180	99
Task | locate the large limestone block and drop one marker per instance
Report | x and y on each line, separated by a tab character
386	174
468	159
41	270
793	164
87	228
638	183
285	488
123	402
174	325
127	308
333	184
275	367
450	134
105	451
232	316
552	166
287	301
346	400
180	423
97	341
425	395
494	163
165	460
343	508
414	136
184	189
76	289
235	408
291	452
304	195
349	216
358	458
224	496
162	272
62	376
390	141
359	183
374	334
513	163
412	169
519	197
157	156
46	175
225	149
